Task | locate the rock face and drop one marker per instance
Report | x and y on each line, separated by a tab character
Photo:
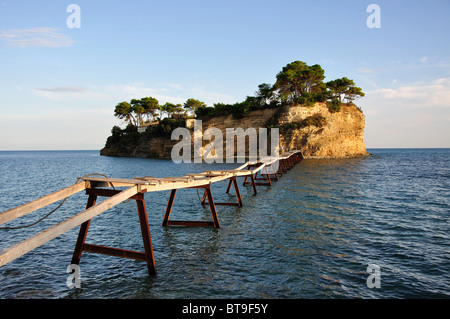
157	147
342	135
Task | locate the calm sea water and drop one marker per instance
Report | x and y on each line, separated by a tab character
313	234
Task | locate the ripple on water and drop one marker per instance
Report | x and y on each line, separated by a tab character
311	235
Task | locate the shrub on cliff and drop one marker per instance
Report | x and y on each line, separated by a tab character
123	137
164	128
334	106
311	98
205	112
238	110
314	120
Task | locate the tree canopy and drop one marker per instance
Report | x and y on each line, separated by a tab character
300	83
193	104
148	109
147	106
172	110
297	82
264	95
297	79
124	111
138	109
343	88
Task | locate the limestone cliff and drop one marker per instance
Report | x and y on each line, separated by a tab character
341	135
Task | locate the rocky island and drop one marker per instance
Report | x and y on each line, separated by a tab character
316	117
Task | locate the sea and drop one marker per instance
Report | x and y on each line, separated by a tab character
375	227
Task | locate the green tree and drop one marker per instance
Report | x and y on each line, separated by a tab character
135	111
172	110
353	93
168	108
297	78
343	88
124	111
138	111
147	106
178	111
193	104
265	94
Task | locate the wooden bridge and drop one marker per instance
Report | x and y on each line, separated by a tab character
254	174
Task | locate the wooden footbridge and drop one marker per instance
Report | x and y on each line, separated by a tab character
254	174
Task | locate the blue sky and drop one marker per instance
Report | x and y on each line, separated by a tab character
59	85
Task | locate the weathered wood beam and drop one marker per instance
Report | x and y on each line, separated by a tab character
40	202
9	254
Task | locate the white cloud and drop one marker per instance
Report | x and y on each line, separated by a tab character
35	37
365	70
413	115
433	94
61	92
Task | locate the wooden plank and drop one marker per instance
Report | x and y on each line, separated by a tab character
208	174
233	173
9	254
40	202
116	252
108	193
198	175
178	185
242	166
189	223
168	184
225	171
116	182
156	180
227	204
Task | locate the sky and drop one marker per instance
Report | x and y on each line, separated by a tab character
62	73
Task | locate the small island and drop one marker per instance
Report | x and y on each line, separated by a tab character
317	117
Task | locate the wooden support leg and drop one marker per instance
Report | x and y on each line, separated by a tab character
212	207
83	233
252	182
238	193
229	186
236	188
147	256
284	165
268	179
146	237
280	171
169	207
252	178
208	195
203	201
